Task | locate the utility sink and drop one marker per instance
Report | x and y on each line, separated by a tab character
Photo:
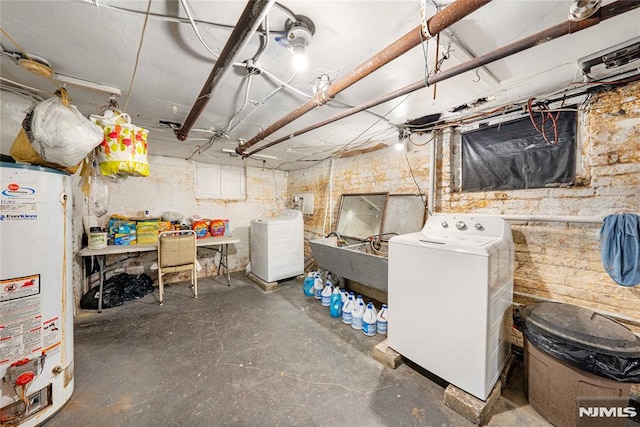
375	216
357	262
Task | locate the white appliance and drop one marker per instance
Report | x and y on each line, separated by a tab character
277	246
450	294
36	296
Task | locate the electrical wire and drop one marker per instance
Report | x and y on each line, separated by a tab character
187	10
435	135
335	153
413	176
61	92
244	104
135	67
166	18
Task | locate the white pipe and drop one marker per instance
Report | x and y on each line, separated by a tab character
604	313
550	218
432	177
324	221
331	198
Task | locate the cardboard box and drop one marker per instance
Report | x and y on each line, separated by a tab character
164	226
125	239
121	227
147	227
147	232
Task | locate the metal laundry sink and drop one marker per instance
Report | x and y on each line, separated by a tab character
357	262
375	216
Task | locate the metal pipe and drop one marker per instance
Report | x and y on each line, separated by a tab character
609	11
413	38
550	218
431	201
253	14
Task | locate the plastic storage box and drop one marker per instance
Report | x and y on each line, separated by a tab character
576	358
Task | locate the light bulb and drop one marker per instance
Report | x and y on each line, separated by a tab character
299	60
399	146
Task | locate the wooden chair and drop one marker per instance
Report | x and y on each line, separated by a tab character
177	252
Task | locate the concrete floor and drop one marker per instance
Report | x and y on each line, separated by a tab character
240	356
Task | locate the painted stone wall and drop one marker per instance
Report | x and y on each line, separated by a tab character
171	187
558	261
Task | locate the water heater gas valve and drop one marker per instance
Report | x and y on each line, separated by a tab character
22	370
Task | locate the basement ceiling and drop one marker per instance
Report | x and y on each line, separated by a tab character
98	42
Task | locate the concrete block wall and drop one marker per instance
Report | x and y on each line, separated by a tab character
171	188
554	260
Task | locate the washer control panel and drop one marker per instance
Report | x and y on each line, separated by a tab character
461	225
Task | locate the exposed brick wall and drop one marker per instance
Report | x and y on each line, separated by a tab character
557	261
171	187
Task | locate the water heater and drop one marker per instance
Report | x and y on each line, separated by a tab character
36	297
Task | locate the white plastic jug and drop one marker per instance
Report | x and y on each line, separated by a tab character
344	295
369	320
347	310
359	300
381	324
317	286
356	315
325	296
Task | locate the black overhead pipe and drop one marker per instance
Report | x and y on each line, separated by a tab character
568	27
251	17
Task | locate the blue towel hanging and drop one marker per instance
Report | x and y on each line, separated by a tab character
620	248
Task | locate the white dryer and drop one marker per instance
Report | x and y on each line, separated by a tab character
277	246
450	294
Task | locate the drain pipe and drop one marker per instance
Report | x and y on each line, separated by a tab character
253	14
438	22
431	202
568	27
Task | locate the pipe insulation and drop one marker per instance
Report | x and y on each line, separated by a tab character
568	27
253	14
438	22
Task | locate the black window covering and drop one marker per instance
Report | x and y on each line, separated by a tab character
514	155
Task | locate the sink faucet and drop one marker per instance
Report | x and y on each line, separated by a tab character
341	241
376	240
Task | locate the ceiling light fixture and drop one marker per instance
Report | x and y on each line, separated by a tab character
582	9
87	84
402	135
299	35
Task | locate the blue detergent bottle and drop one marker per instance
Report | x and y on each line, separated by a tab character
369	320
346	310
307	286
381	324
335	308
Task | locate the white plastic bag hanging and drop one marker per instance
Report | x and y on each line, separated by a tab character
61	134
98	192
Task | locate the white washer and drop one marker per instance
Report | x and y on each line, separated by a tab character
450	295
277	246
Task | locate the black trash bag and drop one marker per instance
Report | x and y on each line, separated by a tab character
111	297
622	365
137	287
118	289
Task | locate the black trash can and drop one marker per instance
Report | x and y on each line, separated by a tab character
579	365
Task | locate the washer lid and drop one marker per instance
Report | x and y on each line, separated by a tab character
581	326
